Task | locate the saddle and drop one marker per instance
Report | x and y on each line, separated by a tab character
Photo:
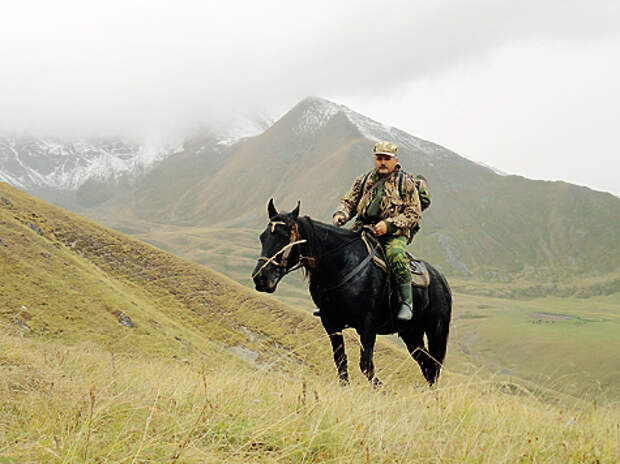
419	273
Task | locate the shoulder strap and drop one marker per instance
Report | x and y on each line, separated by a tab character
363	185
364	181
425	198
400	183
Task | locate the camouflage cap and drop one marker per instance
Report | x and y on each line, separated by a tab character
385	148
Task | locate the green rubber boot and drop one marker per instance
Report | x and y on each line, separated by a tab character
406	302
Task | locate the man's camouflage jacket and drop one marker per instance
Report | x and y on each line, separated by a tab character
401	213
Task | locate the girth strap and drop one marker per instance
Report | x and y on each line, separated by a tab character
351	273
372	255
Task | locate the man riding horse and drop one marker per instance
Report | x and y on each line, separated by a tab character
349	286
388	200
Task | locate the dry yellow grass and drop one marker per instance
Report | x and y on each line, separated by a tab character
82	404
71	282
77	386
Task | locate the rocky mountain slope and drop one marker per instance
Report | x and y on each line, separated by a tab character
32	163
480	224
82	172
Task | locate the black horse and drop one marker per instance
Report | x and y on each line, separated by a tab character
351	291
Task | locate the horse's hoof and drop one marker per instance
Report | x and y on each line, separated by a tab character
377	384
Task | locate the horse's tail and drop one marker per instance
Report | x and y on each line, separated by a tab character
440	305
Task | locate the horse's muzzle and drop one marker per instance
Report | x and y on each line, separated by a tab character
267	281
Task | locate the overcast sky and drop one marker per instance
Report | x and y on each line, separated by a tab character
529	87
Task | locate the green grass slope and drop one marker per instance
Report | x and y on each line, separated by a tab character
67	278
567	342
213	372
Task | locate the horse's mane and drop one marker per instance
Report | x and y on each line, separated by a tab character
322	237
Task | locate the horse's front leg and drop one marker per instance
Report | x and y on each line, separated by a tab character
367	366
340	357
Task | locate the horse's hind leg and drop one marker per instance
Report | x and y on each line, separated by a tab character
414	340
340	357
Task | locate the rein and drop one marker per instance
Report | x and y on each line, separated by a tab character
372	256
285	251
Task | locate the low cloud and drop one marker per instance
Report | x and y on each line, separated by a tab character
139	67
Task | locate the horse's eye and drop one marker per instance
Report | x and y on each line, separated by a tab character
281	231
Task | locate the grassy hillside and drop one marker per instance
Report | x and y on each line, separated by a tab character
92	275
518	329
114	351
80	404
67	278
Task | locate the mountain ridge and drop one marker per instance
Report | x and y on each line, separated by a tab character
481	225
65	164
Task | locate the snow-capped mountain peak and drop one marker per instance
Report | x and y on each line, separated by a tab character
30	162
242	126
316	113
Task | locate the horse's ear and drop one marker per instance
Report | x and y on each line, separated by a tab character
271	210
295	212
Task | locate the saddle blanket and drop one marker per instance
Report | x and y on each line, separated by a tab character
419	273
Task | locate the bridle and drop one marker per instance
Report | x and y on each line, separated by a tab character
285	251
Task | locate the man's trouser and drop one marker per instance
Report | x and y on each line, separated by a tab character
395	247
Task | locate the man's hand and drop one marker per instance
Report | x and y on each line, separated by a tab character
380	228
338	220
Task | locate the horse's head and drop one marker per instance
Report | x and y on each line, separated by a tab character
280	250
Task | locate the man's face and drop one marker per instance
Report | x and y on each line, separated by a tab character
385	164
